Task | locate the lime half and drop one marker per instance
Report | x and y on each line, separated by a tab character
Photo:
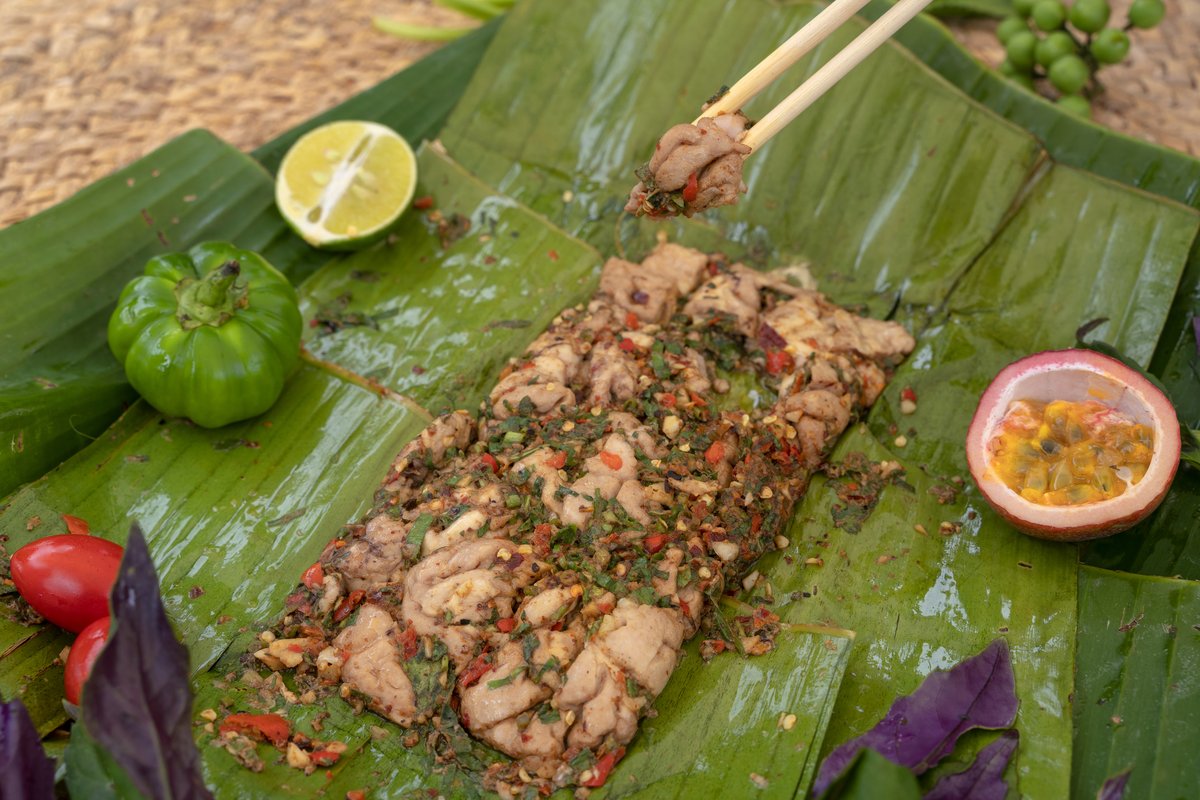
343	185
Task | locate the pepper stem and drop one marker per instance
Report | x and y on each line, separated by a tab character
210	300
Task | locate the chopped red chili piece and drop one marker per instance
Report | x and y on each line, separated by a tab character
325	758
474	671
631	321
627	345
654	542
408	643
778	361
506	624
313	576
691	189
603	767
492	463
76	525
422	203
558	460
908	394
271	727
611	460
668	400
356	794
755	523
714	453
348	604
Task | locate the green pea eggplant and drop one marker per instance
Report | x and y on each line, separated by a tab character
210	334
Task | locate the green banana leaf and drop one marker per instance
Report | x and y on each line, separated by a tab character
970	8
1138	703
59	386
1031	250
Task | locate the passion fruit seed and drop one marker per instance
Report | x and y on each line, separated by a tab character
1064	453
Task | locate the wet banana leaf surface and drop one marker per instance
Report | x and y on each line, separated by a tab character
500	271
1138	703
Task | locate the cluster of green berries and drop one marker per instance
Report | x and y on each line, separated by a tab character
1040	43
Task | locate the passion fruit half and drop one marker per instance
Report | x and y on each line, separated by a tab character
1072	445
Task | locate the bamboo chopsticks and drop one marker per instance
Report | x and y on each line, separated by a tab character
795	48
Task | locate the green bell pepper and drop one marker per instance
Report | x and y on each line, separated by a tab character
210	334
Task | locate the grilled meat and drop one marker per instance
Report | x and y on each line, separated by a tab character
561	549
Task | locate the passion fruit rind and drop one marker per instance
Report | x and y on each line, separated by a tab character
1075	375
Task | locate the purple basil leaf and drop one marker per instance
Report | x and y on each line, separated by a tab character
984	779
920	729
1114	787
26	773
137	703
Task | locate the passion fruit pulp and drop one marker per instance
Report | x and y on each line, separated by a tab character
1111	410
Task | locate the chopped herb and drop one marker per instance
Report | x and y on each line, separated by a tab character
507	679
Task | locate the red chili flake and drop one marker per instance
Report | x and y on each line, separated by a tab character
271	727
356	794
474	671
325	758
603	767
778	361
755	523
907	393
631	321
605	608
667	400
697	400
627	345
422	203
553	254
611	460
714	453
716	645
654	542
417	369
506	624
408	643
492	463
692	188
557	461
313	576
76	525
684	607
348	604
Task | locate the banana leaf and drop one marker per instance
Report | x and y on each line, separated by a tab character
59	386
1138	703
1068	138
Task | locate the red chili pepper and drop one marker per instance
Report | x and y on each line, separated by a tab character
654	542
348	604
631	321
474	671
603	767
356	794
692	189
422	203
506	624
271	727
611	460
627	345
408	643
605	608
76	525
668	400
907	393
714	453
553	254
558	460
313	576
684	607
492	463
778	361
697	400
755	523
325	758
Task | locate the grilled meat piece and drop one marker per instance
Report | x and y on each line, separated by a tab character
701	162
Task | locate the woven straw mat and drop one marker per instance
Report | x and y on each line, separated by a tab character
88	86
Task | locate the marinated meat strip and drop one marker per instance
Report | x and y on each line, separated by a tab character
694	168
558	551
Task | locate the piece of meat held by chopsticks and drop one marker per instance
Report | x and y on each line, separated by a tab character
551	557
698	166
